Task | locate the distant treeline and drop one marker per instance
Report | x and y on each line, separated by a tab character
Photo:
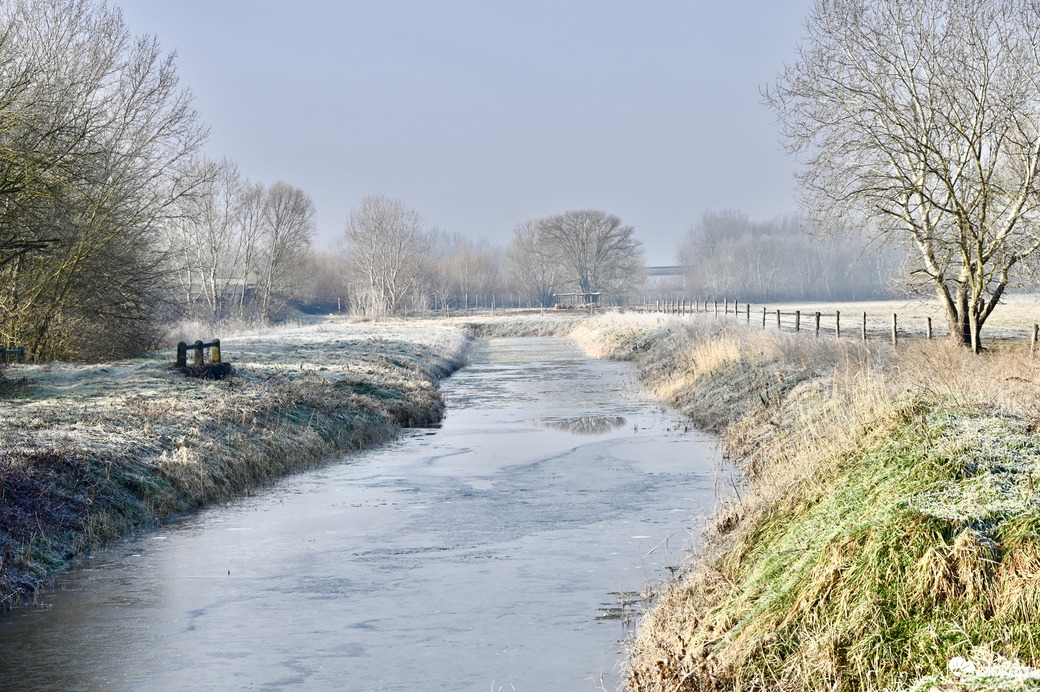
727	254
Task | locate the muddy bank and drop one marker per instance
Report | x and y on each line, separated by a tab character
885	538
90	452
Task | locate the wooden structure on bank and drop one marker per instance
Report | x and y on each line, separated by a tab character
575	300
7	354
213	370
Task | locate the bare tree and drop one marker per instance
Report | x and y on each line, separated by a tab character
389	251
207	240
533	264
707	253
286	233
598	252
919	119
250	223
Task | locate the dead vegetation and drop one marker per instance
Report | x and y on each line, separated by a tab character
887	531
93	451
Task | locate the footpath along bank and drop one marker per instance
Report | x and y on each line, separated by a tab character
88	452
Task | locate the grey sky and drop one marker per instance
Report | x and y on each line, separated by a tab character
481	114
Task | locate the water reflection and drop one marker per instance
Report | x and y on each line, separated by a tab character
583	425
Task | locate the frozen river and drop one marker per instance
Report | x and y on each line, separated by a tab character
487	554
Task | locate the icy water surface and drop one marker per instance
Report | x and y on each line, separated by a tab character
485	555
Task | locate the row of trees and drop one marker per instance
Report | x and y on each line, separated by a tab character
395	264
391	263
111	222
239	249
96	139
727	254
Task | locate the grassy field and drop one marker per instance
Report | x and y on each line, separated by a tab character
92	451
888	525
1012	320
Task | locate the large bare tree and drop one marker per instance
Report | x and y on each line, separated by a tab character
920	120
286	233
597	251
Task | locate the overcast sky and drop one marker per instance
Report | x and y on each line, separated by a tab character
481	114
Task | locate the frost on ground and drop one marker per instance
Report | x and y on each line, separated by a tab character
90	451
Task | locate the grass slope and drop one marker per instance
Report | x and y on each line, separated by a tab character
89	452
887	537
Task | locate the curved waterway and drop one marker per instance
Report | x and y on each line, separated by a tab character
497	552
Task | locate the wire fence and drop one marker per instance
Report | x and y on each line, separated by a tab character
835	323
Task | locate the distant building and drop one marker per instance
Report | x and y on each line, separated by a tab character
670	275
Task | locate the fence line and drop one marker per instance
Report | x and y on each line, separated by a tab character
792	320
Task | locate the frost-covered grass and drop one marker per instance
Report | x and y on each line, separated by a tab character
518	323
1013	318
992	674
92	450
889	521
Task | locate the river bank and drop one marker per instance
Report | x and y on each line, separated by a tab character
91	452
886	535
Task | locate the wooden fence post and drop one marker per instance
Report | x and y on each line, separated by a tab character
1032	342
747	308
895	330
198	353
763	317
716	308
725	307
778	320
817	323
215	351
929	328
864	326
182	355
837	324
797	321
